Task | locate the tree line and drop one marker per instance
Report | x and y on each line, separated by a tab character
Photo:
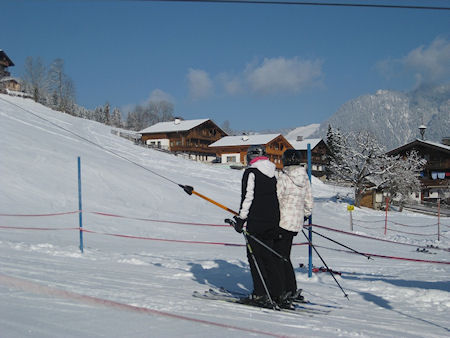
51	86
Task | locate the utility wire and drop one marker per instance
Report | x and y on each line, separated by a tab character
91	142
304	3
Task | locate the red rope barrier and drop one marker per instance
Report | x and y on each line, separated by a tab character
156	220
414	226
364	236
160	239
30	228
388	257
41	215
411	233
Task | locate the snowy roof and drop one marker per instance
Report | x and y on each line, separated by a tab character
8	78
244	140
435	144
176	125
303	145
416	141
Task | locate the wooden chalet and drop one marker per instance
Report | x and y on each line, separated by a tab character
319	154
435	177
7	83
233	149
190	137
5	62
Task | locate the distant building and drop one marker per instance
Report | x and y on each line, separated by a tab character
184	136
319	154
7	83
435	177
233	149
5	62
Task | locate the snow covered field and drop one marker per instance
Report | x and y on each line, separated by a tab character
136	285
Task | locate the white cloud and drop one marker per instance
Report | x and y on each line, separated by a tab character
200	84
429	64
232	84
159	95
281	75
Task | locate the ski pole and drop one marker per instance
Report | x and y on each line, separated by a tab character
347	247
328	269
249	248
230	222
190	190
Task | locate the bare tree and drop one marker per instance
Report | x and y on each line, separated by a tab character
35	79
61	87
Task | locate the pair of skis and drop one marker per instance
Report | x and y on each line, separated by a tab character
303	308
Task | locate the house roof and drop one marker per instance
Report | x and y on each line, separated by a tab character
8	78
435	145
303	145
6	59
244	140
172	126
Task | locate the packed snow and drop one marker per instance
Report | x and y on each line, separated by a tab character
148	245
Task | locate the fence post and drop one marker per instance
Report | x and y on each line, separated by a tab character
310	263
386	218
80	209
350	208
439	219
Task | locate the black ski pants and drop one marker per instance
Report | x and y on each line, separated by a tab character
268	265
283	245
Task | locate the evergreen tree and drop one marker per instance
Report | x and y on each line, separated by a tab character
116	118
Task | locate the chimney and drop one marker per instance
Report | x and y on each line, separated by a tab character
244	138
422	129
299	138
177	120
446	141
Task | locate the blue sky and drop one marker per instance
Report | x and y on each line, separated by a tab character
257	66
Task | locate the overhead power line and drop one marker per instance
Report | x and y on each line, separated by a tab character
306	3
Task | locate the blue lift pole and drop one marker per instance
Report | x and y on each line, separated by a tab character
80	209
310	264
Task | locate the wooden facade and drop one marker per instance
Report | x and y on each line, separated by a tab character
10	83
319	155
275	148
435	177
5	62
7	83
194	141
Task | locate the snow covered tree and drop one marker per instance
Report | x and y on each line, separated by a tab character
334	142
144	116
35	79
226	127
402	179
61	88
359	159
116	118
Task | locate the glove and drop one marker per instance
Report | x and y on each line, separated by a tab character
305	218
238	224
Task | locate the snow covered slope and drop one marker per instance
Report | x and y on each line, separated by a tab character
148	245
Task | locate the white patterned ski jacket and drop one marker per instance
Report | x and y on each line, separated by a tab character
295	197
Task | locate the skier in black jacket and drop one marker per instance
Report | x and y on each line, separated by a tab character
260	212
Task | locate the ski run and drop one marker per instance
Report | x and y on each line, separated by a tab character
148	246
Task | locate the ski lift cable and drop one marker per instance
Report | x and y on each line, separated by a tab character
305	3
91	142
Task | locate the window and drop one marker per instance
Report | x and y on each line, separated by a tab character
231	158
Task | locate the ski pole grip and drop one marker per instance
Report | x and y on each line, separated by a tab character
187	188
